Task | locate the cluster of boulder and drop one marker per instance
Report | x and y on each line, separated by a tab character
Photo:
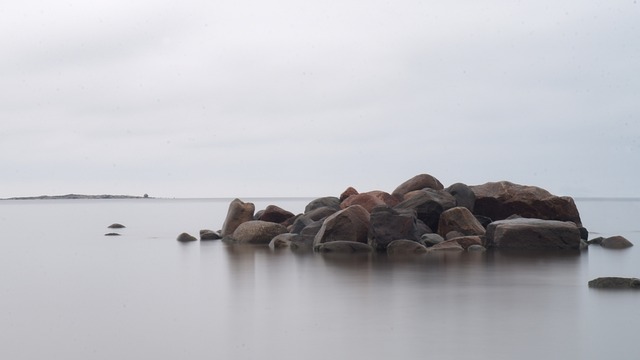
419	216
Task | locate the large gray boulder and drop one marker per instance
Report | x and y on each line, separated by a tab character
418	182
532	234
257	232
463	194
428	205
350	224
499	200
615	283
389	224
459	219
329	201
238	213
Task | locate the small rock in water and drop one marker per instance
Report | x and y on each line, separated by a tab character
116	226
184	237
616	242
111	234
209	235
615	283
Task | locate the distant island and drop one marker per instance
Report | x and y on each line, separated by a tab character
78	197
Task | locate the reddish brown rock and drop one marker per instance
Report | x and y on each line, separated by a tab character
275	214
418	182
499	200
350	224
238	213
466	241
366	200
447	245
350	191
459	219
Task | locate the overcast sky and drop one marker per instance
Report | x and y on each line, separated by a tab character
305	98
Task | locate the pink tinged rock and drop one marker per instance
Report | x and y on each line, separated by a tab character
459	219
238	213
418	182
348	192
350	224
531	234
467	241
447	245
366	200
276	214
499	200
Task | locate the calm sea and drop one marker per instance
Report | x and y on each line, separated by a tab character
69	292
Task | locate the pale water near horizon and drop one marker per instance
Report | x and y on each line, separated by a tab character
69	292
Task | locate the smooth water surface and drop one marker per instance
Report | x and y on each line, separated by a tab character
69	292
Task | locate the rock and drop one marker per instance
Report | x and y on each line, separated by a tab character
476	248
499	200
350	224
418	182
184	237
348	192
273	213
366	200
463	194
616	242
615	283
596	241
453	234
111	234
459	219
257	232
483	220
329	201
281	241
343	247
209	235
370	200
583	244
467	241
387	225
428	205
116	226
447	245
431	239
238	213
403	246
524	233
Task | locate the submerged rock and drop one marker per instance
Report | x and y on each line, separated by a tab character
616	242
403	246
112	234
343	247
615	283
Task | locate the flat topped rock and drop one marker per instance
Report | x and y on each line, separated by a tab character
615	283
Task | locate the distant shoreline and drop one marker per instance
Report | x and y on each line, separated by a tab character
78	197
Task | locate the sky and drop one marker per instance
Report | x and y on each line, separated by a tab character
306	98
